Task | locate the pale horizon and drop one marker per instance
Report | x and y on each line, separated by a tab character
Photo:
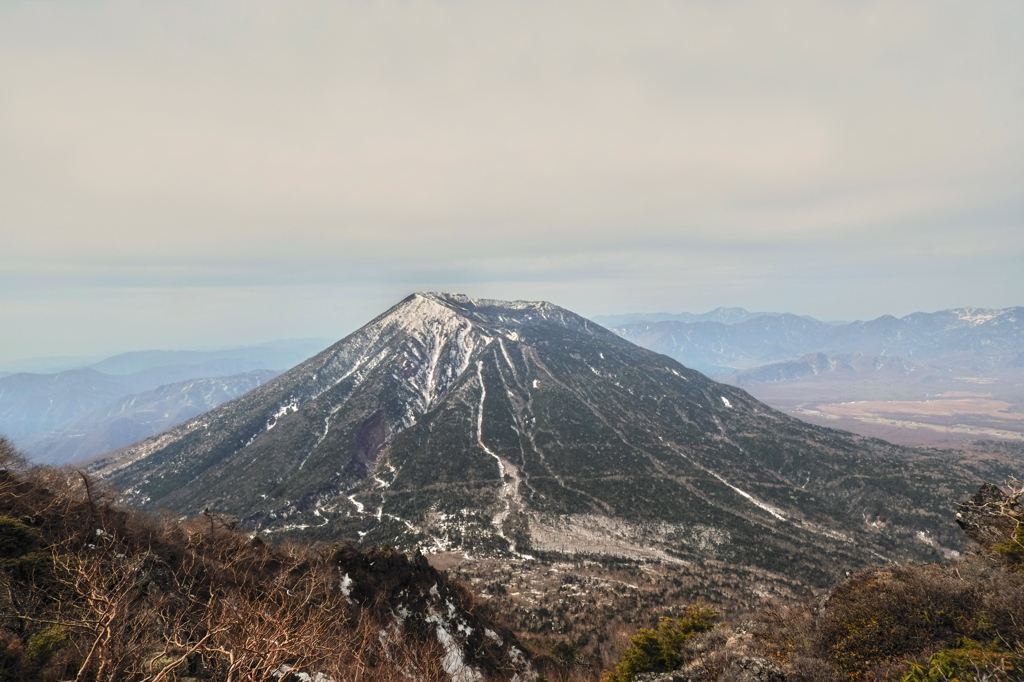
329	340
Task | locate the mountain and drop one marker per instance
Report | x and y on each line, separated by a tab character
821	365
275	355
520	429
279	354
956	373
33	404
45	365
721	314
36	405
137	416
719	348
781	337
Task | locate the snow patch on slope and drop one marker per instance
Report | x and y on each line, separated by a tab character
975	316
499	519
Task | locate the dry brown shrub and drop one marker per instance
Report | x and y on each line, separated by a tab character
129	597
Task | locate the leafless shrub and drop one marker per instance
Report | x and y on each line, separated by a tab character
121	596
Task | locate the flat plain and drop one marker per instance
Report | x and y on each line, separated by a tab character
938	411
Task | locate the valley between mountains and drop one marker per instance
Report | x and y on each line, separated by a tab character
523	434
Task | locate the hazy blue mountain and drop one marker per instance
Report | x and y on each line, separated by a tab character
46	365
720	314
279	354
822	365
33	404
137	416
522	429
721	348
717	348
276	355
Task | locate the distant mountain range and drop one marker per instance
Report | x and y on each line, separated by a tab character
720	314
279	354
520	429
79	412
993	338
87	406
140	415
819	364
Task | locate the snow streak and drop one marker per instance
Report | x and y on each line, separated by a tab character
506	489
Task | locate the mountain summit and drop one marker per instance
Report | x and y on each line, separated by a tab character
521	428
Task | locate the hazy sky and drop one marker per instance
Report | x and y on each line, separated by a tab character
195	174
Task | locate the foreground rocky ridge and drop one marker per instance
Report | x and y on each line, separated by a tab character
91	591
520	429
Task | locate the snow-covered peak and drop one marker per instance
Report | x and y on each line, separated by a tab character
425	343
497	317
975	316
466	303
421	312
